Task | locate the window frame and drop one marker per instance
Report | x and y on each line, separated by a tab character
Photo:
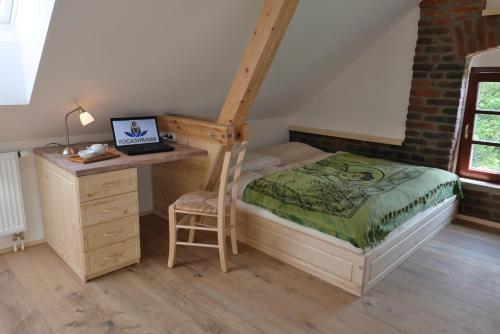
477	75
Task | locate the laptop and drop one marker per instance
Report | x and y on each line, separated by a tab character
138	135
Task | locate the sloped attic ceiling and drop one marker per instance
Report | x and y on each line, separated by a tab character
129	57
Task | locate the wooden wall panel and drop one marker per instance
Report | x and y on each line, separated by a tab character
196	128
173	179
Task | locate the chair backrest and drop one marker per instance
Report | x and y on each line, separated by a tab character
231	172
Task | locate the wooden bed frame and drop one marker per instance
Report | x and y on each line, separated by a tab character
341	266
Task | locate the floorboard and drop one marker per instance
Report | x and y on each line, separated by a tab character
452	285
17	312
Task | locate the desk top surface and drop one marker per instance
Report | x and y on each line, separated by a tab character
123	162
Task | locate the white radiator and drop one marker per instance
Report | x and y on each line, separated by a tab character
12	219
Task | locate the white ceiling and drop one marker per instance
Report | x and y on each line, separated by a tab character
125	57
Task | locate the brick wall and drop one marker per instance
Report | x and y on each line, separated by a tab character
448	32
481	203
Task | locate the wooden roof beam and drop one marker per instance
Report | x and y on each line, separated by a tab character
271	27
266	39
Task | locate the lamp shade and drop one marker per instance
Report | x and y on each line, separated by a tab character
85	117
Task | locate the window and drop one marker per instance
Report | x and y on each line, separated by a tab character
22	38
6	8
479	156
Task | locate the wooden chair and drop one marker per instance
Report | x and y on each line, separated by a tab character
210	204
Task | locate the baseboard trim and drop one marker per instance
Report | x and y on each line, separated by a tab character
146	213
347	135
479	221
159	214
26	245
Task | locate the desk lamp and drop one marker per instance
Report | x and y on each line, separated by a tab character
85	118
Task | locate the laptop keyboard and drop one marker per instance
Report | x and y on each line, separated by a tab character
152	148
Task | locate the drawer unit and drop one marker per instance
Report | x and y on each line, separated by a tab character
91	211
111	257
91	221
107	184
109	208
105	234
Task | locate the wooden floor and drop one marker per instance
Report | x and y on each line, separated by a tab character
452	285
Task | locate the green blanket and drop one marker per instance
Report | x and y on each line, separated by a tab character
354	198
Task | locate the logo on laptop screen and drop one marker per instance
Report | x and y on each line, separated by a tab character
135	131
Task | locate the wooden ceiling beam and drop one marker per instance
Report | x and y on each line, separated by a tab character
266	39
271	27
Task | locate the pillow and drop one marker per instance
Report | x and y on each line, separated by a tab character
258	161
293	152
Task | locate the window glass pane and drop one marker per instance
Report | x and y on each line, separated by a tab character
487	128
489	96
485	158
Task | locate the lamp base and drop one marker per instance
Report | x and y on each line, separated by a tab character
68	150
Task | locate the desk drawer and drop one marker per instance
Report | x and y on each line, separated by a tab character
108	209
105	234
107	184
111	257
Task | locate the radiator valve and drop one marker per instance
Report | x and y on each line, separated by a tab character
19	236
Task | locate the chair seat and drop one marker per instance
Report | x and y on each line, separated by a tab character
199	202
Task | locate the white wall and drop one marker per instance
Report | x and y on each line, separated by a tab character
489	58
268	131
123	58
492	3
371	96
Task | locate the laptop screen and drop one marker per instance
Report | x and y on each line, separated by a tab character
135	131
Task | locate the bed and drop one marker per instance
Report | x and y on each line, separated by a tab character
354	264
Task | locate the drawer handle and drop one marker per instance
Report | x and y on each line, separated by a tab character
111	184
113	256
109	209
112	234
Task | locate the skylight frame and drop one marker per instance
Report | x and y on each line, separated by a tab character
7	13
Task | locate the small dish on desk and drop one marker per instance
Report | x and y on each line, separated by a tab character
98	149
89	156
86	154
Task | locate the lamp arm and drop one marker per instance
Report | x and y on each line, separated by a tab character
66	122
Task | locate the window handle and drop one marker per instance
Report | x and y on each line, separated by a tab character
466	133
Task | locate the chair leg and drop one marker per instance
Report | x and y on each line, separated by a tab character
172	236
232	226
192	221
221	236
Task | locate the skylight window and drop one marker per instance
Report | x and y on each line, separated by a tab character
6	11
23	28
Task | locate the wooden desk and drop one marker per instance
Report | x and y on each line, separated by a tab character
91	212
